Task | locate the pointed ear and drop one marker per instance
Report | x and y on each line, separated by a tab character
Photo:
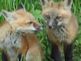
8	16
21	6
21	9
68	4
45	2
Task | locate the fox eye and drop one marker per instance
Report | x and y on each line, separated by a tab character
58	17
30	22
47	17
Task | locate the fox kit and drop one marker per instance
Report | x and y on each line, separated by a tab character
17	36
61	27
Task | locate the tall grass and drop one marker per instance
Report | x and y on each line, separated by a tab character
34	7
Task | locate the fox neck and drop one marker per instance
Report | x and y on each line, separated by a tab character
7	35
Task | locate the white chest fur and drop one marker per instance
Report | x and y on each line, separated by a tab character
11	40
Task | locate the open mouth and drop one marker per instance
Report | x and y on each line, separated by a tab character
29	30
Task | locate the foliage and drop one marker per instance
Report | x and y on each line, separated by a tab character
34	7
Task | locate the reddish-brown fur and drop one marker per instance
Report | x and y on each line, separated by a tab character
21	23
62	27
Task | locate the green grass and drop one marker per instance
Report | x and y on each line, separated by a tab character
34	7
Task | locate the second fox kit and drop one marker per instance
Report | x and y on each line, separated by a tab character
61	26
17	36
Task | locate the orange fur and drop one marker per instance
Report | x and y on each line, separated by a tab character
19	29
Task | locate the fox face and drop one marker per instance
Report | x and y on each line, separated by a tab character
59	18
56	14
21	21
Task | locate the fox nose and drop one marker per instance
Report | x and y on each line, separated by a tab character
37	27
50	25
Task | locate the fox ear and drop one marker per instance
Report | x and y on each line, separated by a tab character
68	4
21	6
45	2
8	16
21	9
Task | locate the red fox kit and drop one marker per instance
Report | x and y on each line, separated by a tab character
17	36
61	26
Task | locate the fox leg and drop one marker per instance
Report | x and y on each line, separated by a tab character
34	54
56	54
12	54
68	51
4	56
20	57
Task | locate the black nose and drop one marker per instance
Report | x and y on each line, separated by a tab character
50	26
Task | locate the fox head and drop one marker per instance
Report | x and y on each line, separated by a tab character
56	14
21	21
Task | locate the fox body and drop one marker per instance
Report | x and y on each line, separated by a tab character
17	36
62	26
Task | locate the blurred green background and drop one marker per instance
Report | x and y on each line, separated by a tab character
34	7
